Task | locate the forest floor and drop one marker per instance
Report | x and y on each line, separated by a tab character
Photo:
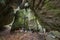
22	36
18	35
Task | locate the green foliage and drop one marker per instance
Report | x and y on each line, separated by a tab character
26	19
50	5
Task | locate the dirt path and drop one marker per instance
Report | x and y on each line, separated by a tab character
21	36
